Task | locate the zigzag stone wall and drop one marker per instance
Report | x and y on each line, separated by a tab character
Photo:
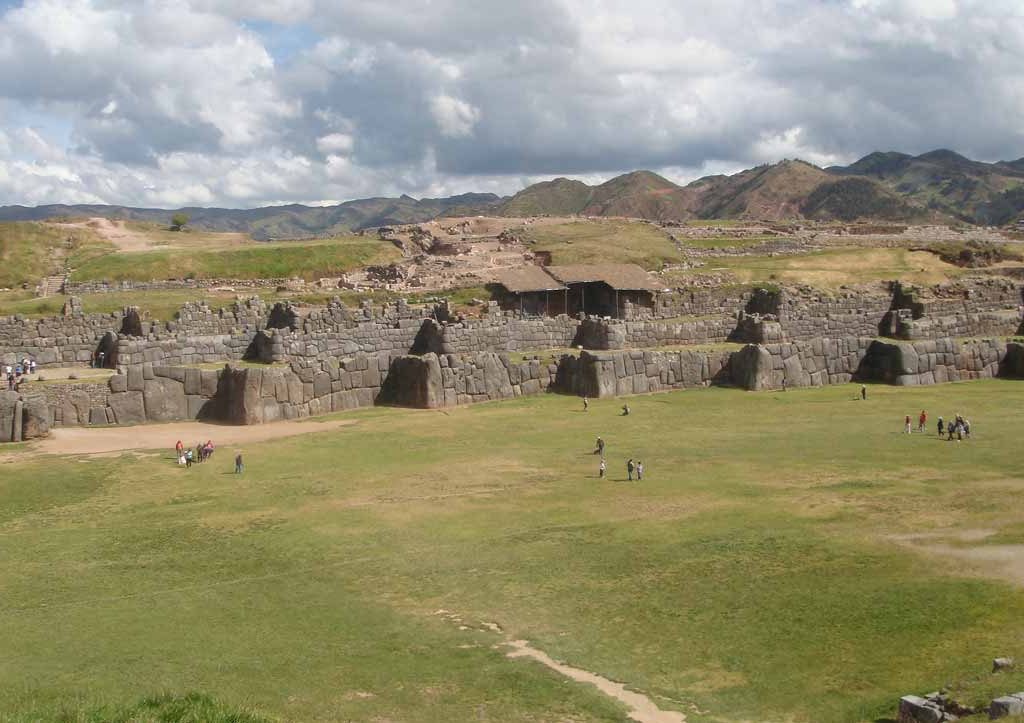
253	395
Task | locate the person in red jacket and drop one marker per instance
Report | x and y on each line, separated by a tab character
922	419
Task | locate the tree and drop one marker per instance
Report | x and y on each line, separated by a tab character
178	221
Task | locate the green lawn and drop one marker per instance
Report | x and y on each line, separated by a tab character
834	268
307	260
760	572
599	242
29	250
716	242
165	304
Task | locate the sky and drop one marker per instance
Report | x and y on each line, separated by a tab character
244	103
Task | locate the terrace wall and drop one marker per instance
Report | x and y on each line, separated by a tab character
154	393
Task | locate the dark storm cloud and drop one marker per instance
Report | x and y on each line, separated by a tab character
449	95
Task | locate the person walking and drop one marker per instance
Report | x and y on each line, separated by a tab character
939	426
639	470
922	419
239	467
599	447
601	469
906	424
863	391
629	469
188	458
178	448
586	404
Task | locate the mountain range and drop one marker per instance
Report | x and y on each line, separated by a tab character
941	186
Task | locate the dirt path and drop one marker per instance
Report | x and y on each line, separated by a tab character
111	440
642	708
1005	562
115	232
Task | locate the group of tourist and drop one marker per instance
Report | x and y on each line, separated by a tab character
632	467
187	457
13	373
959	427
202	453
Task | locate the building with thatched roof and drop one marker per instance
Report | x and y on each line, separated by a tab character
601	289
607	289
530	290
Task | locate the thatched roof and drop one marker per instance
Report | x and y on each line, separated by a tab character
527	278
624	277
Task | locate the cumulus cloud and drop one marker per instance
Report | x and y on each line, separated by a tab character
455	118
194	101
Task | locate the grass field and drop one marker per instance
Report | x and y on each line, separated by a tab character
164	304
307	260
29	251
770	567
594	242
717	242
831	269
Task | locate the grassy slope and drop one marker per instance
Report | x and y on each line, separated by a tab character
753	574
272	260
27	250
830	269
589	242
165	304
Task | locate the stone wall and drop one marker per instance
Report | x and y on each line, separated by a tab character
309	335
432	381
255	395
498	332
242	395
964	324
23	417
932	362
54	341
797	364
616	373
78	288
701	302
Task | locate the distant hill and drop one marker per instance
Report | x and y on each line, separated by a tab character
948	183
937	186
558	197
850	199
771	192
293	221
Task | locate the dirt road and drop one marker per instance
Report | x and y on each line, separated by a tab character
111	440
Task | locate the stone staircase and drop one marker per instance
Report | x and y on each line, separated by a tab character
52	285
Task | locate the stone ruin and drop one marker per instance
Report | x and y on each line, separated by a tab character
332	357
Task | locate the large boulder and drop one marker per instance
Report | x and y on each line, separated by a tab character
598	376
240	395
1006	705
164	399
1012	364
914	709
414	381
751	368
128	407
497	381
36	418
8	405
891	363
